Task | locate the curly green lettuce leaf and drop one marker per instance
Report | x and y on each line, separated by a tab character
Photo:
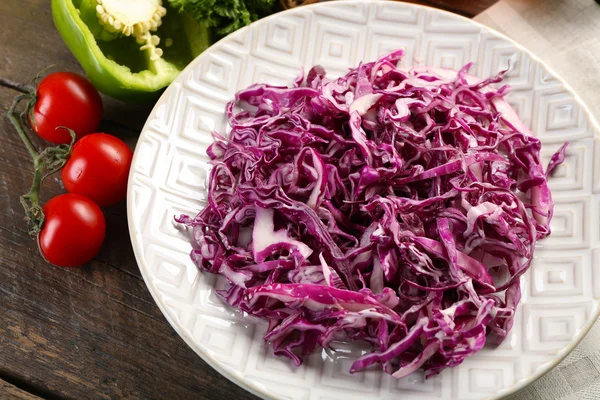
224	16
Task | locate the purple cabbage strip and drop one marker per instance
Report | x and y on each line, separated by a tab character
396	206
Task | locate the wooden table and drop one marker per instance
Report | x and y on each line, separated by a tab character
92	332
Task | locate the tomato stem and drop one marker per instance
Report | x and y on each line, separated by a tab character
31	204
16	122
49	161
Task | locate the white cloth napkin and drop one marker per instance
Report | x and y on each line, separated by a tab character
566	35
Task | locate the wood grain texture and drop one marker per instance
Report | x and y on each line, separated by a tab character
92	332
11	392
86	333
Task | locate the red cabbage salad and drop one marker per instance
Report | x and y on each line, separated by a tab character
393	206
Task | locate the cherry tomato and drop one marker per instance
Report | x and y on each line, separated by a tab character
98	169
73	230
66	99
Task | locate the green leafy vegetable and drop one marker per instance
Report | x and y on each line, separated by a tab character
225	16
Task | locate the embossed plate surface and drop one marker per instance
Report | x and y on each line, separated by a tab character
169	176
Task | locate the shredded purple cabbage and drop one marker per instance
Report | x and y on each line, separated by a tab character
394	206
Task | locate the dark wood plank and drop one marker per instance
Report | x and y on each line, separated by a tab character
11	392
93	332
86	333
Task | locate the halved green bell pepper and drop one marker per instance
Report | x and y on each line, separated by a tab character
115	64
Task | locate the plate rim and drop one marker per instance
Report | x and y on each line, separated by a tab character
182	332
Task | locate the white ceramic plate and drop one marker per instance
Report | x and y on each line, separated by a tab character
169	176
